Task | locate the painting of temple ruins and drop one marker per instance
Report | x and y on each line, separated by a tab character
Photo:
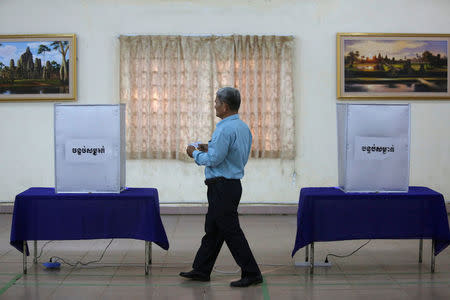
393	66
37	67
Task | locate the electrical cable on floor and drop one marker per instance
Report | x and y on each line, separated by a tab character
341	256
176	265
275	265
237	271
225	272
42	248
80	262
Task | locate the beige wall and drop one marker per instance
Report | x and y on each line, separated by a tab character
26	134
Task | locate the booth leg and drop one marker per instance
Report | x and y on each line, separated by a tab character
433	257
148	256
35	252
307	253
311	263
420	250
24	248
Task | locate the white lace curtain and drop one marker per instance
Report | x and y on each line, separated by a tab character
169	85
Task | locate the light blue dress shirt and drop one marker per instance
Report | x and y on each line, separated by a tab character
228	149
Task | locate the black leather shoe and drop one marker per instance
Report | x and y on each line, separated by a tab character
247	281
195	275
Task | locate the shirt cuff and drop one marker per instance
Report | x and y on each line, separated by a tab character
195	154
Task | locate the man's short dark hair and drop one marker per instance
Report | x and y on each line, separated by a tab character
230	96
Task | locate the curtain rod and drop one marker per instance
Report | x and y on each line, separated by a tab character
202	34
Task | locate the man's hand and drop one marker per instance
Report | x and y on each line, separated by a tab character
203	147
189	150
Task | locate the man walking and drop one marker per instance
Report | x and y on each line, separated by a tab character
224	157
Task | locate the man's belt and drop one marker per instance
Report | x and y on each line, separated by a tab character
218	179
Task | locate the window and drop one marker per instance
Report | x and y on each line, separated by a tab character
169	85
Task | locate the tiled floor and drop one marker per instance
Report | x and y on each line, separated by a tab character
384	269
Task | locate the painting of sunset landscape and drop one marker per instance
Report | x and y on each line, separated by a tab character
378	66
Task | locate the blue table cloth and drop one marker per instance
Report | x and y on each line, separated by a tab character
329	214
42	214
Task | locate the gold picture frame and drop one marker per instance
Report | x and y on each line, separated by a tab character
392	66
38	67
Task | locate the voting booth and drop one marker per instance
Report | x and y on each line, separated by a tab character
89	148
373	147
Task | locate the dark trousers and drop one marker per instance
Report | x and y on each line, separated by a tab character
222	224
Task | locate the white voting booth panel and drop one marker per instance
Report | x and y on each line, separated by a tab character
89	148
373	147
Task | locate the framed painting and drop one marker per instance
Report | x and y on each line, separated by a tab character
392	66
38	67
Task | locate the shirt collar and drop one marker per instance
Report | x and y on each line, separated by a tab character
229	118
